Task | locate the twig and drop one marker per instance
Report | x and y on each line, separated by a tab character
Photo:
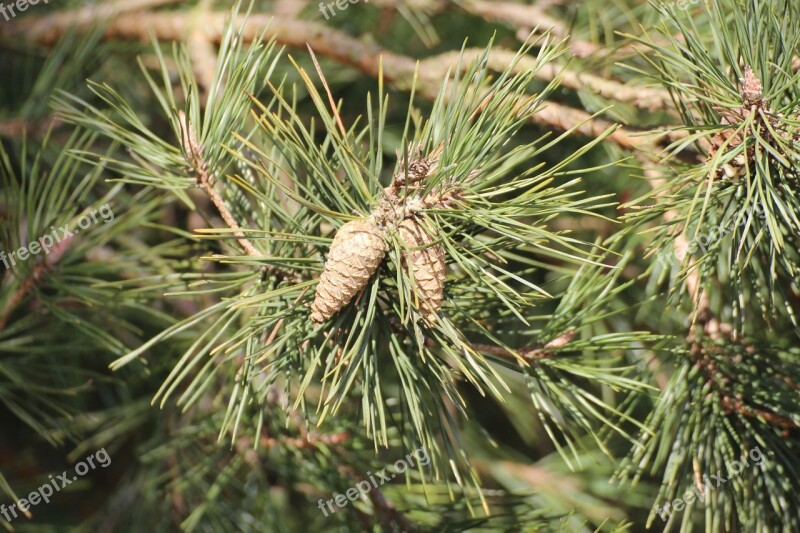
526	18
730	402
15	128
50	260
388	512
51	27
499	59
206	179
203	55
312	441
535	352
680	246
338	46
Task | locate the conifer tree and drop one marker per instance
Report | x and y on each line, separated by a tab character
400	265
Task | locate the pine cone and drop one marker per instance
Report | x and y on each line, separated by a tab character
356	251
427	265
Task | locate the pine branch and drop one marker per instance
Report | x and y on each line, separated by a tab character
692	281
528	17
206	179
19	127
310	441
649	98
390	516
37	275
333	44
204	61
53	26
531	353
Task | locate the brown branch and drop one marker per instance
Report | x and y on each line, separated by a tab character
389	514
533	353
17	127
499	59
50	260
681	244
206	179
528	17
338	46
203	57
311	441
57	23
730	402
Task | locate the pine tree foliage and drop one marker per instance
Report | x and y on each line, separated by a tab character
558	253
738	98
483	216
732	390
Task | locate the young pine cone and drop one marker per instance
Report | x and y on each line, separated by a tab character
356	251
427	265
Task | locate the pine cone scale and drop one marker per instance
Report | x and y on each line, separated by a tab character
427	266
356	252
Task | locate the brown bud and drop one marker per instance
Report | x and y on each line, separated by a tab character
356	251
426	264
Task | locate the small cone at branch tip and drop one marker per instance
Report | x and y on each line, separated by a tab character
355	253
427	266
